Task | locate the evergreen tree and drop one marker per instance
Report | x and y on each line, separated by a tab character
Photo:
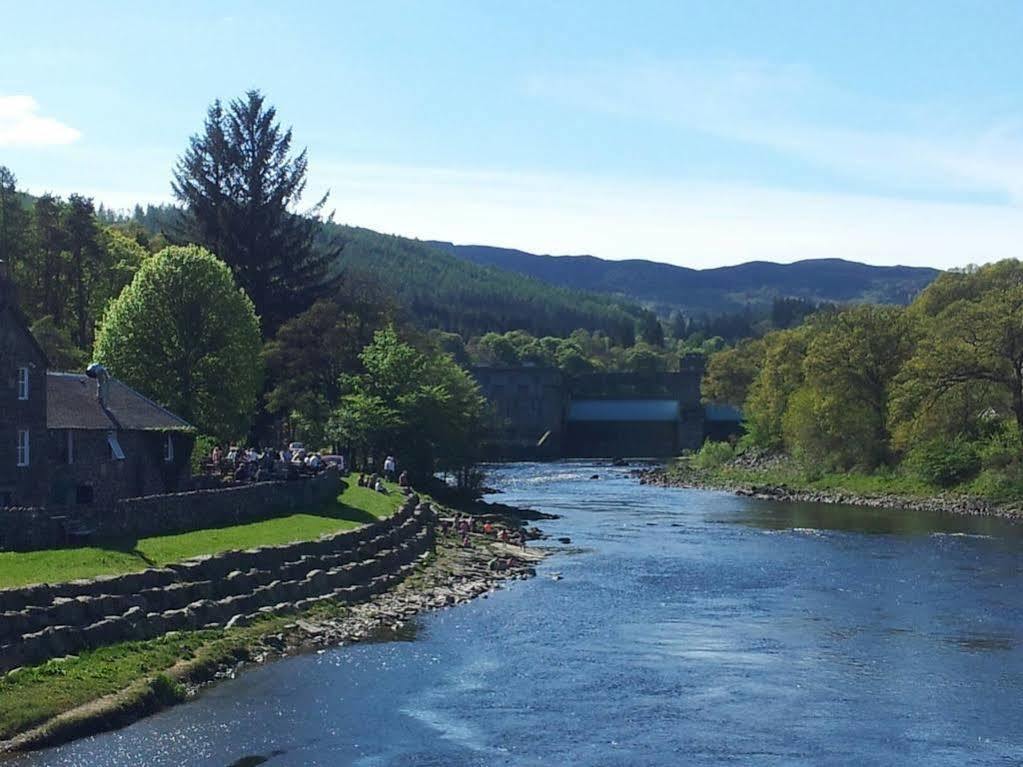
240	184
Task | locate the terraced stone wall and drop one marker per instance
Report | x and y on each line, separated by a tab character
48	621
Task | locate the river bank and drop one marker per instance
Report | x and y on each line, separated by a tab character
752	482
448	575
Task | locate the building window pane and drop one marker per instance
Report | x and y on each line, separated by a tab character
70	446
168	449
115	447
24	453
23	383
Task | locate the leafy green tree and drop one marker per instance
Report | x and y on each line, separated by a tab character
971	349
781	374
241	185
184	334
61	351
418	404
310	353
849	369
731	372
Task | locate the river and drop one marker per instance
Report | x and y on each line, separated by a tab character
687	628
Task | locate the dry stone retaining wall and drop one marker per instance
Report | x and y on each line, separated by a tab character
48	621
27	529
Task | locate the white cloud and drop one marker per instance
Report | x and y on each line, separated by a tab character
692	224
22	126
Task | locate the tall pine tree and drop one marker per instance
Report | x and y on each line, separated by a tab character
241	186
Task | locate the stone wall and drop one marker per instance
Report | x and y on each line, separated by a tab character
27	529
46	621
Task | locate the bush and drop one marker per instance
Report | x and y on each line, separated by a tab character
713	455
166	691
944	463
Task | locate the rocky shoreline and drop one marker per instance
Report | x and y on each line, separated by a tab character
450	575
946	504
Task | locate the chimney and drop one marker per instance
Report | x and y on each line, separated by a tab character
97	371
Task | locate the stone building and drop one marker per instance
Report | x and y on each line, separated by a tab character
23	435
107	441
539	413
75	439
527	411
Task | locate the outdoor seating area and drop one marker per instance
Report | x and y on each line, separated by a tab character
238	464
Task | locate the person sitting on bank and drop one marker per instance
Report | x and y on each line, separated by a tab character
363	482
379	486
403	480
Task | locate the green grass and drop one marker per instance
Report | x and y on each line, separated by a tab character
29	696
792	476
354	507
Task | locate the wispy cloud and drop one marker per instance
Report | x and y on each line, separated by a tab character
21	125
903	147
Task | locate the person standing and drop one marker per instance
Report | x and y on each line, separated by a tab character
390	468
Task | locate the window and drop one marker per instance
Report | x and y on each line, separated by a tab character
23	383
116	453
168	449
83	494
70	446
24	455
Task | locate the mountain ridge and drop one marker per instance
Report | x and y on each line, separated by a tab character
667	287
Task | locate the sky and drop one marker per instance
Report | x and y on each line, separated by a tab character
695	133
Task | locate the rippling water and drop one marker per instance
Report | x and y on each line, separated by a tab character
688	628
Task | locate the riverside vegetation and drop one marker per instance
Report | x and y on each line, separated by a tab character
915	401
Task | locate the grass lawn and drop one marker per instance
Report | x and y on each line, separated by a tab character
354	507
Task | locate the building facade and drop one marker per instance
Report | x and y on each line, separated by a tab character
69	439
539	413
23	435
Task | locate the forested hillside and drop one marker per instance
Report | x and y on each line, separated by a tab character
438	290
442	291
670	288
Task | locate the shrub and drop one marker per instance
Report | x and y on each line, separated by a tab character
713	455
165	690
944	462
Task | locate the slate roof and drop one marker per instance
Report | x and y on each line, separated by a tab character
71	403
623	410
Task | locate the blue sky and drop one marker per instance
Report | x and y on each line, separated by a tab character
700	134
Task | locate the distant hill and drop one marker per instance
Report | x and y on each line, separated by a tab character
665	287
441	290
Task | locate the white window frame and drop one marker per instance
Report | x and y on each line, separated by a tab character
23	383
116	451
70	446
168	449
24	448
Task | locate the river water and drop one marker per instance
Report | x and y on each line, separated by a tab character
687	628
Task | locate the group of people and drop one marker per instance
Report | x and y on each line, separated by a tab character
464	525
252	465
376	482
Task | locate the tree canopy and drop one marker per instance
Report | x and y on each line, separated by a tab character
241	184
185	335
